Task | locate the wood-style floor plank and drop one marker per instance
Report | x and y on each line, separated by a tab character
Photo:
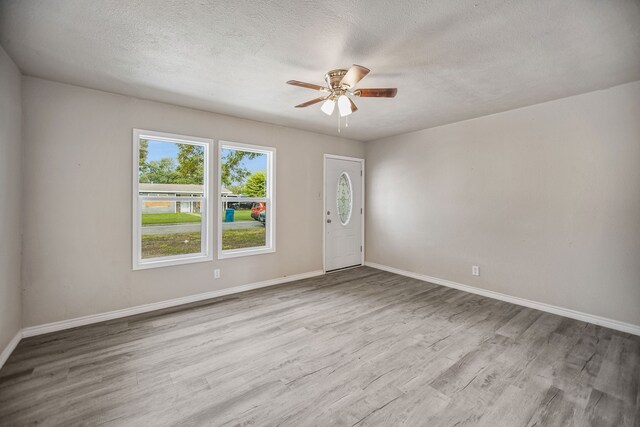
354	348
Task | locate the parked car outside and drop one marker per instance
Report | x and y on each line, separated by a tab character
239	206
257	208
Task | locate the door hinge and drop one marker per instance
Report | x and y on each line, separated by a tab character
361	248
360	173
360	210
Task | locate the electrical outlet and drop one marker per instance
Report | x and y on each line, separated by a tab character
216	273
475	270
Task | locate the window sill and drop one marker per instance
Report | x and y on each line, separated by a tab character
173	261
235	253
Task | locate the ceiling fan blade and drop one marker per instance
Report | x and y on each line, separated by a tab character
303	84
377	93
353	106
354	75
313	101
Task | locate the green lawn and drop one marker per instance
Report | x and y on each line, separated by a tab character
189	243
178	218
170	244
243	238
243	215
169	218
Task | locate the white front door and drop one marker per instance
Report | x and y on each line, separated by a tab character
343	213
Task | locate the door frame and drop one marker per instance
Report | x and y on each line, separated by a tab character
324	205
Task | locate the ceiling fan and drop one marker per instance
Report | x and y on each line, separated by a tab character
340	85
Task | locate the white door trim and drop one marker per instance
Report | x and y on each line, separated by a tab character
324	205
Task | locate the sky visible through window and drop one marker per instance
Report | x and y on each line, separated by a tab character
162	150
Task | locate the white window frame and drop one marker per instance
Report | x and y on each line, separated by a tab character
206	253
270	200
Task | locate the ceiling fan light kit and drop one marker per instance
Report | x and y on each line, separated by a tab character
340	85
328	107
344	106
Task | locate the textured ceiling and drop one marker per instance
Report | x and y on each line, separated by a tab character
451	60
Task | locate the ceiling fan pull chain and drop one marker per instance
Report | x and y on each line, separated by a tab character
346	122
338	123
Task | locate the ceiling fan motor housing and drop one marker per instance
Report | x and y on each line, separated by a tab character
334	77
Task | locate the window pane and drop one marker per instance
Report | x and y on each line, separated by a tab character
170	167
243	173
171	228
344	200
243	228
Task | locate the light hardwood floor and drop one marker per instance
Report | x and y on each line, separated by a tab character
357	347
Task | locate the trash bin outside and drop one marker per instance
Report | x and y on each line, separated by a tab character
228	215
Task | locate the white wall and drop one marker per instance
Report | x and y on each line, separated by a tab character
10	199
545	199
77	257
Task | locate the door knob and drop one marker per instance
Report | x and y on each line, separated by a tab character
328	221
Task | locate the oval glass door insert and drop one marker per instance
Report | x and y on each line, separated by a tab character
344	198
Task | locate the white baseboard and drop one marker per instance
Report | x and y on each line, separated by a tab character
573	314
9	348
95	318
116	314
